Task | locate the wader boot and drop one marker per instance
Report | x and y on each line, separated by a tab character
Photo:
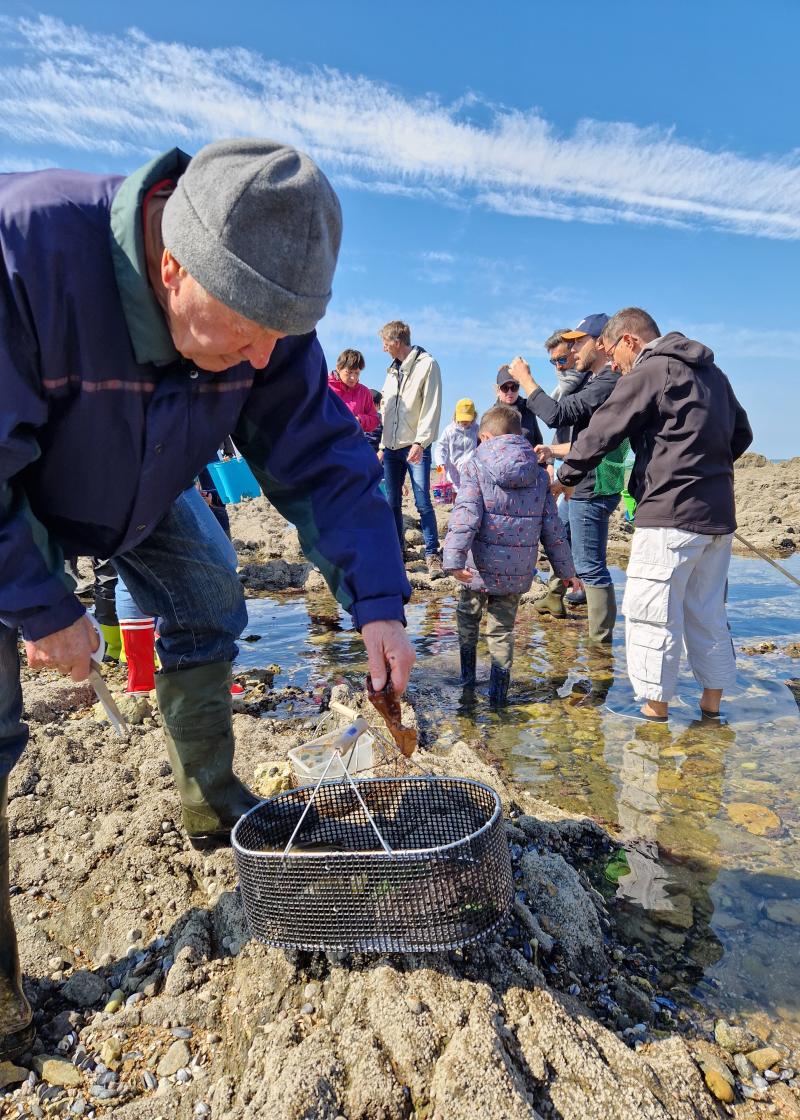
113	640
602	610
16	1017
498	685
553	601
468	658
195	706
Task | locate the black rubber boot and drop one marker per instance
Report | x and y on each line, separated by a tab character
195	706
468	667
16	1017
553	602
499	680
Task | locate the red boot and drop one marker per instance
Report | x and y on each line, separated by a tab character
138	638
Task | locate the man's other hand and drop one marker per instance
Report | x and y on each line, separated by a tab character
387	644
415	453
558	488
544	453
68	651
574	584
463	575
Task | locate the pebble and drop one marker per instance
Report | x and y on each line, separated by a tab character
759	1082
764	1057
57	1071
744	1068
115	1002
771	1075
181	1032
103	1093
149	1080
183	1076
720	1087
307	1009
311	989
78	1106
202	1109
415	1006
734	1039
134	934
178	1056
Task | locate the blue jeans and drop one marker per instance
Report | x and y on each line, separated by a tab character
184	574
126	605
395	465
588	522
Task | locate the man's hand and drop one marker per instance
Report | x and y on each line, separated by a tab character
574	584
68	651
463	575
415	453
387	644
544	453
521	372
558	488
379	453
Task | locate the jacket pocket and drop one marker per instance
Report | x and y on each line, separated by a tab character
647	592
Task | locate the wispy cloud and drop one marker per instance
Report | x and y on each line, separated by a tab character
126	95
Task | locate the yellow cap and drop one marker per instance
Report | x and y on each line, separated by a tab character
465	409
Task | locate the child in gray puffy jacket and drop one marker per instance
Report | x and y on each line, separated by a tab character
503	509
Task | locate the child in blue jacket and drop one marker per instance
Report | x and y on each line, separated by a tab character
503	509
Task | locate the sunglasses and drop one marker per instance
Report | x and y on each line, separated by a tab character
559	361
610	349
509	387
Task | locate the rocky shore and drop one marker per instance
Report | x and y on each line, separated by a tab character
152	1001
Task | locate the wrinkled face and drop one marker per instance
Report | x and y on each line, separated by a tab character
585	351
349	376
621	352
207	332
393	348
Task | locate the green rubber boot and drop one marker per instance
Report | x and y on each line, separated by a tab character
195	706
602	609
113	641
553	601
16	1017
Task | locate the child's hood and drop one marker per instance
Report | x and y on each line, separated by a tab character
510	461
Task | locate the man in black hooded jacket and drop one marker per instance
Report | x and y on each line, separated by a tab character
686	427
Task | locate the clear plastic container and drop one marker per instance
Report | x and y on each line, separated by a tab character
355	748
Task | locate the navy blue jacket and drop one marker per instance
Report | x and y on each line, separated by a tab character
103	424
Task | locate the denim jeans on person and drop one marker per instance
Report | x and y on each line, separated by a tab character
588	522
126	605
184	574
395	465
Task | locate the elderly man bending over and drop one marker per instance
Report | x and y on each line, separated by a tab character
686	426
142	320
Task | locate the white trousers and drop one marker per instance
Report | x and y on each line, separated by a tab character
675	594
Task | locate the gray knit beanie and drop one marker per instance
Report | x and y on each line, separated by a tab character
258	225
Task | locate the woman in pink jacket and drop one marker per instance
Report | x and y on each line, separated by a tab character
344	382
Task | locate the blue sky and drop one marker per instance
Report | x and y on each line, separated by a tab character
504	169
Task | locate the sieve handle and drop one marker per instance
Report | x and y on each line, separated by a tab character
354	787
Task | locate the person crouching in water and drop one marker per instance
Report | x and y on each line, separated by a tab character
458	441
504	508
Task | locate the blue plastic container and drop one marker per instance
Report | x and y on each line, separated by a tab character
233	480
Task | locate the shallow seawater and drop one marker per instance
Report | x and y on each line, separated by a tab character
708	816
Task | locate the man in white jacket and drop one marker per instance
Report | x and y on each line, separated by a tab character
412	405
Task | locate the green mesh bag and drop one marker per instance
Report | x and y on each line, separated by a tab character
609	475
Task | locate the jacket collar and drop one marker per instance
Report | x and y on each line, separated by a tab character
150	337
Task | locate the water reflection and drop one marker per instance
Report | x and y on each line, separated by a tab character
713	885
